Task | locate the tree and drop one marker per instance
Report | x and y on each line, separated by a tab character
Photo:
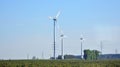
91	54
96	52
69	56
34	58
59	57
87	54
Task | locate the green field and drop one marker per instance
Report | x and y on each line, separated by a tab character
59	63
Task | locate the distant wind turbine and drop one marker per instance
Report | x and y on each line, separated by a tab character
62	36
81	39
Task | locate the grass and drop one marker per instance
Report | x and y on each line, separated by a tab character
59	63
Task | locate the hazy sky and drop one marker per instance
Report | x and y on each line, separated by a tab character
25	27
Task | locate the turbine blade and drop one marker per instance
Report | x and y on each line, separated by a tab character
57	14
50	17
60	30
65	36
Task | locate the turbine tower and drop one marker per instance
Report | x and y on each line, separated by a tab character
54	24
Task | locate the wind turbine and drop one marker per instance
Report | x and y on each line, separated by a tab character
62	36
81	39
54	24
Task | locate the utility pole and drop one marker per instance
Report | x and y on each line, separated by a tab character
27	56
101	46
42	55
116	51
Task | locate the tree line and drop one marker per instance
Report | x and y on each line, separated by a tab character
88	55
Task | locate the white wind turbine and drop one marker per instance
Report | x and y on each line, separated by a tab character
81	39
54	24
62	36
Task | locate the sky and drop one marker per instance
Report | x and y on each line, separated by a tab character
26	30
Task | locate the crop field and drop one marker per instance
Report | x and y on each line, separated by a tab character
59	63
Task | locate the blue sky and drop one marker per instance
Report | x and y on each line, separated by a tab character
26	29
